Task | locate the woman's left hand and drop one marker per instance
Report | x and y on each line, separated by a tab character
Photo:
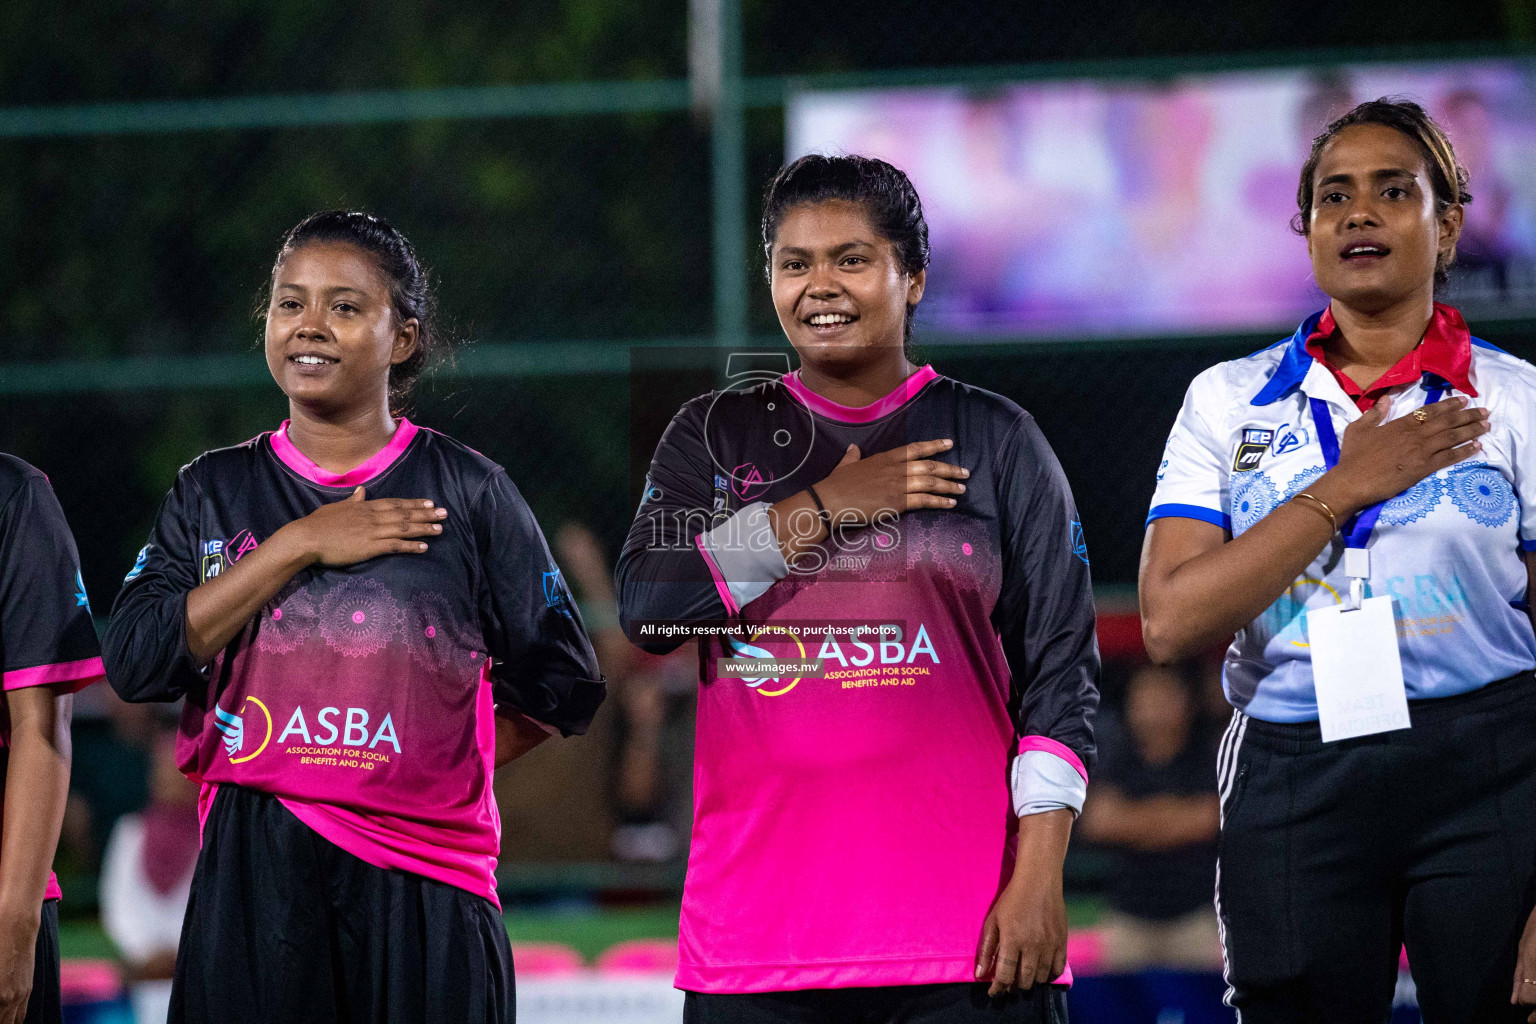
1024	939
1524	993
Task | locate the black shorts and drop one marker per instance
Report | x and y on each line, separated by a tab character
963	1003
45	1005
1335	855
286	926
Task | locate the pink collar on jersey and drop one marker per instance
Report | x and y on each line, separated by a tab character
375	464
904	393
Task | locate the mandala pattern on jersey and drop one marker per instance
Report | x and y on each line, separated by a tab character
1253	497
956	550
358	618
286	623
1413	504
436	641
917	538
1301	481
1482	493
872	555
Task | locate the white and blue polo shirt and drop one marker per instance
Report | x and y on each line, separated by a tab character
1449	550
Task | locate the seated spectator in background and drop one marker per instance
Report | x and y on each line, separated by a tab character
113	742
653	696
656	701
627	793
1153	799
146	877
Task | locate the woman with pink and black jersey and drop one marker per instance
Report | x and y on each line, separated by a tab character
878	836
48	651
365	620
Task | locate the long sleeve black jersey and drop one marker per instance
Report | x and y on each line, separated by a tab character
362	696
875	788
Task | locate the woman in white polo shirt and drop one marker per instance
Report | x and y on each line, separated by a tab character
1357	504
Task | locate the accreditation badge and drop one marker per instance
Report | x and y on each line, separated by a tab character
1357	670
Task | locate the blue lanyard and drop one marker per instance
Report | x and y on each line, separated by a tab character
1357	531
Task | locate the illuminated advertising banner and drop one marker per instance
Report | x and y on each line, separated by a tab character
1133	207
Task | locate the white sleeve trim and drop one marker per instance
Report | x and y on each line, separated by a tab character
746	551
1193	476
1041	782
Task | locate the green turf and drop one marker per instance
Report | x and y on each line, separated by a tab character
1084	911
588	932
82	939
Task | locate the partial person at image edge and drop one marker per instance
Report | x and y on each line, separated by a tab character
1383	405
48	652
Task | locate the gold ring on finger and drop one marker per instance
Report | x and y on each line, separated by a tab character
1528	981
1421	414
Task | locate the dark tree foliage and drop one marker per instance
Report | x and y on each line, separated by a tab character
588	228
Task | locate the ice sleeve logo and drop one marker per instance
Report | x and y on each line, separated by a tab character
219	555
81	601
138	564
1255	443
213	559
720	509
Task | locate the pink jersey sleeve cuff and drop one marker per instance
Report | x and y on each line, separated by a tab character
1056	747
721	587
743	557
1047	776
79	674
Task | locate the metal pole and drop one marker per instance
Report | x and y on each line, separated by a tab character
715	51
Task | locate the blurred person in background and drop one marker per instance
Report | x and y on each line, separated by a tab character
48	651
364	619
113	743
646	690
1358	504
1154	800
655	764
624	793
637	699
858	852
146	879
1163	199
1485	246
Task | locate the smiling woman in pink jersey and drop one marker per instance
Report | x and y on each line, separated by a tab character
365	620
877	836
